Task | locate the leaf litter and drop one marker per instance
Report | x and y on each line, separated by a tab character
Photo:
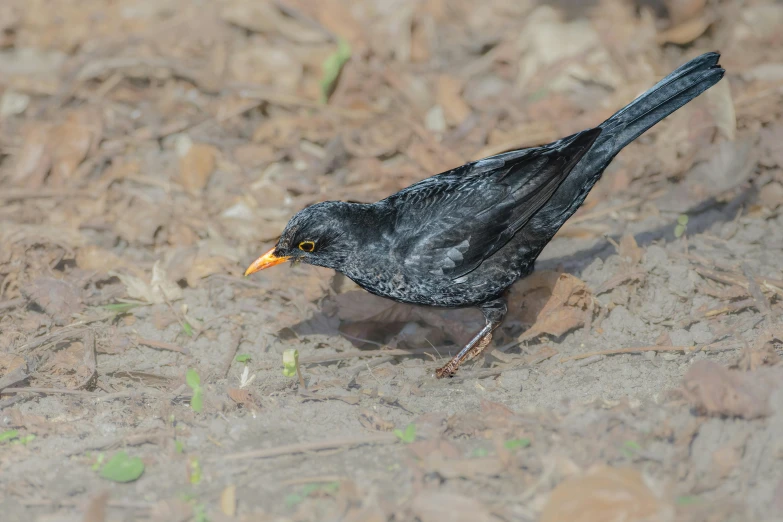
146	158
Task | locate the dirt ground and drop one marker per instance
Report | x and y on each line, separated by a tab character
151	149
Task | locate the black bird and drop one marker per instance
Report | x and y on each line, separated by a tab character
463	237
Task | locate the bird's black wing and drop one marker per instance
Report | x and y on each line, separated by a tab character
447	225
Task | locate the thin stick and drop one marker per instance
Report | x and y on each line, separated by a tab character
631	350
640	349
302	382
53	391
21	194
161	345
291	449
363	353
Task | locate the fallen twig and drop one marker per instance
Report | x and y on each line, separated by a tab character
51	391
233	346
161	345
290	449
21	194
687	349
365	353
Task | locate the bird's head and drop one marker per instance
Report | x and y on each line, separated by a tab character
325	234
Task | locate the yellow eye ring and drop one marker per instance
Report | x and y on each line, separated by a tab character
307	246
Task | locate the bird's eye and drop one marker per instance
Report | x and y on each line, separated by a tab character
307	246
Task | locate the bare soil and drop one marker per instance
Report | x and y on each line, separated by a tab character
150	150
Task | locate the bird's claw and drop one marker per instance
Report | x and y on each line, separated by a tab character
453	365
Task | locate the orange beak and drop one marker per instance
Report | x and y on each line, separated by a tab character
265	261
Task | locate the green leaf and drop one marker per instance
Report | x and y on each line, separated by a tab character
8	435
682	219
407	436
686	500
122	468
331	68
479	452
192	379
679	230
178	446
243	357
187	328
197	401
630	448
516	444
292	499
24	440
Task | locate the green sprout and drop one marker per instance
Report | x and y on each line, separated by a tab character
682	225
479	453
195	471
408	435
9	435
631	448
514	444
194	383
243	358
332	67
291	365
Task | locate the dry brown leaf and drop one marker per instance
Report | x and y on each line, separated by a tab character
13	370
206	266
92	257
59	299
336	16
96	508
435	449
437	506
686	32
35	159
762	352
605	494
159	289
373	421
629	250
263	17
10	362
771	195
682	10
771	151
277	66
240	396
567	308
716	390
725	459
69	143
196	167
454	468
10	20
71	367
449	97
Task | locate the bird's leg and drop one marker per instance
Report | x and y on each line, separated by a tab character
494	312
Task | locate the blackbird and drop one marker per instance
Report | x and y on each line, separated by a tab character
463	237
